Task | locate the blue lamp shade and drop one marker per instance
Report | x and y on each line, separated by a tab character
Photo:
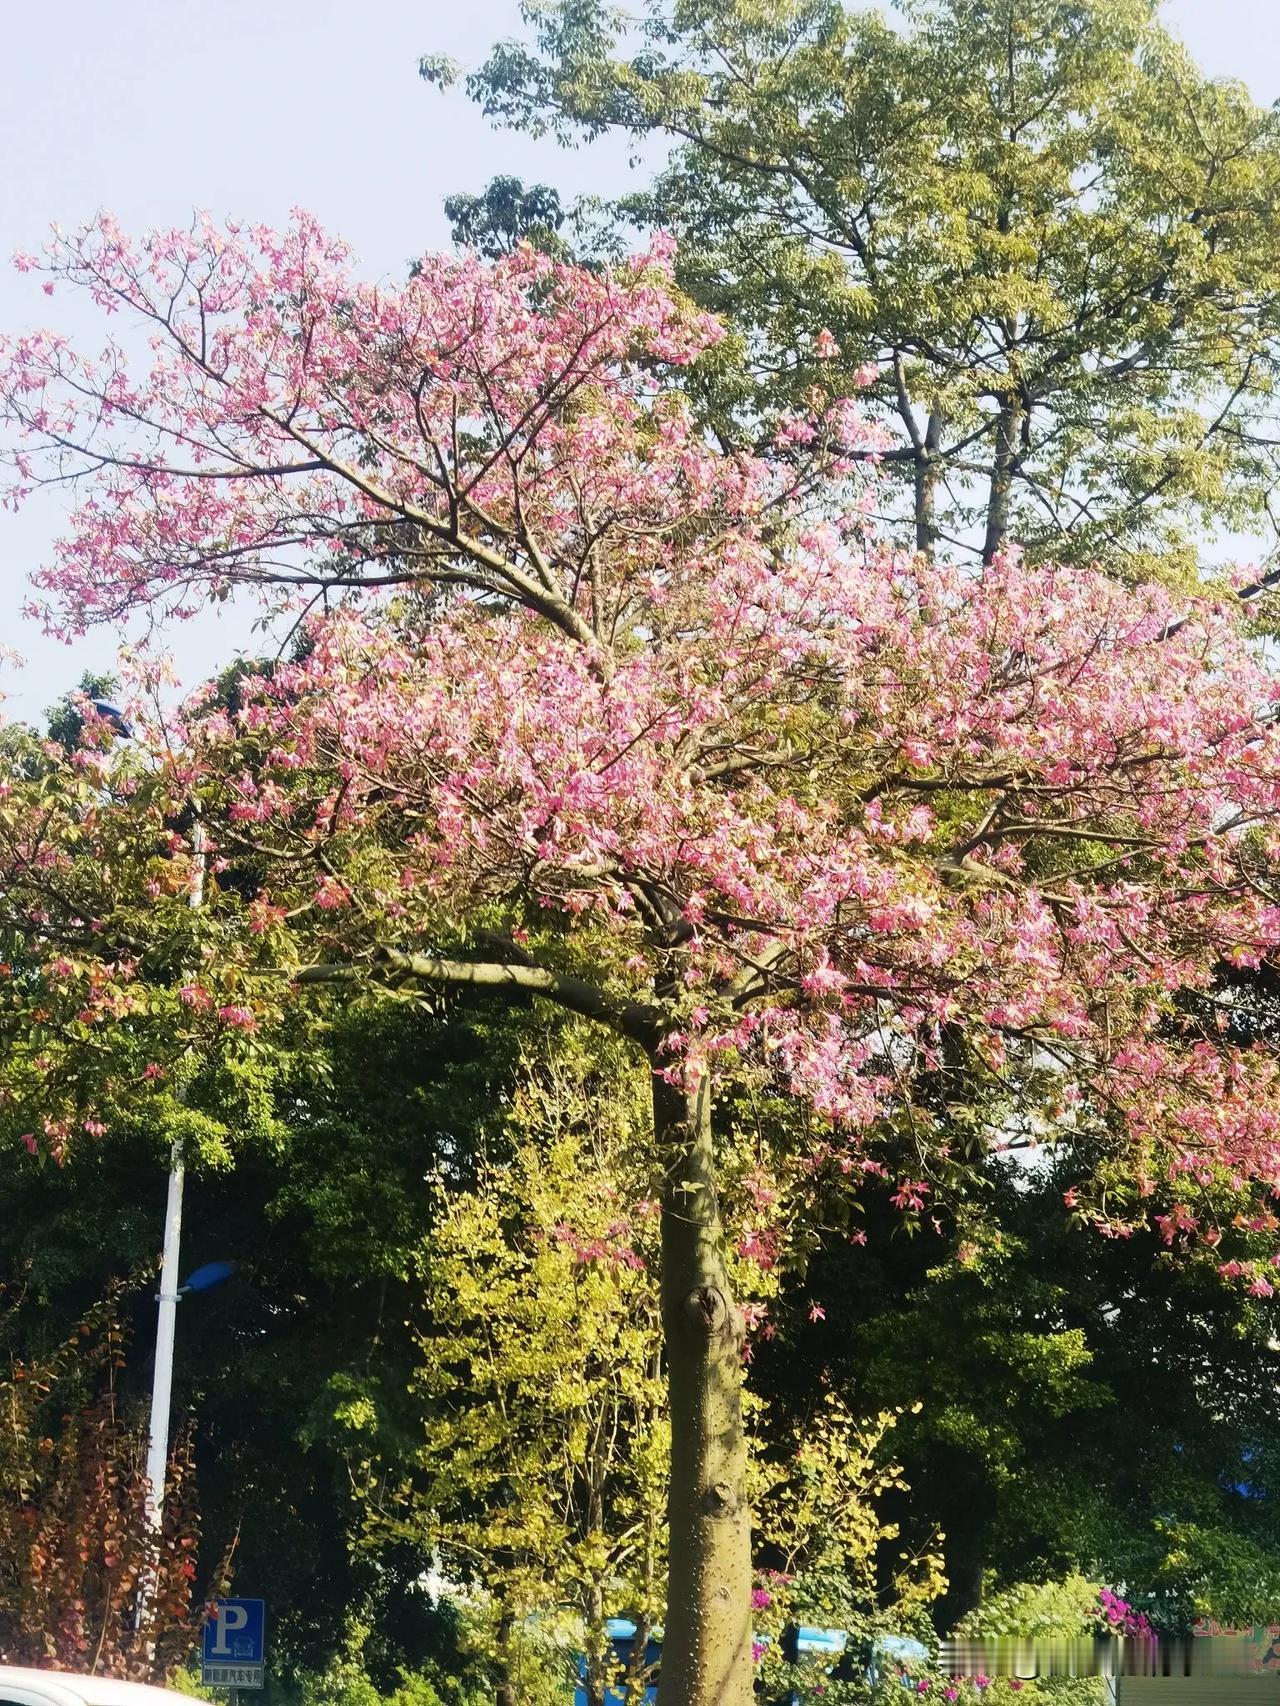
210	1275
112	718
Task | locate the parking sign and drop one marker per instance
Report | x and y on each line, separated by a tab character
234	1653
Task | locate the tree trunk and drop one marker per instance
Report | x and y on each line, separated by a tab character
505	1693
636	1679
928	468
598	1648
1008	426
706	1647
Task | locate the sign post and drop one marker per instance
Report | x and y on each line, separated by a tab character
234	1652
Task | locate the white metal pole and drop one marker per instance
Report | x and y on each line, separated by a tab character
167	1300
166	1324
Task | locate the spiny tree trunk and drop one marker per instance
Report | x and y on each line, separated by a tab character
706	1649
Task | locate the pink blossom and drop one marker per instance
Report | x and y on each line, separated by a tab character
239	1018
910	1195
622	749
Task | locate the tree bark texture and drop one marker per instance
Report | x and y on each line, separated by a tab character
706	1648
1008	429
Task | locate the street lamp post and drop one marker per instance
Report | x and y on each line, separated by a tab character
166	1325
168	1295
170	1292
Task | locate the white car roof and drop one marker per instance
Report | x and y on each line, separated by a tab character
69	1688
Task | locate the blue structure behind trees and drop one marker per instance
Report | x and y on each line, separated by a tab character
800	1646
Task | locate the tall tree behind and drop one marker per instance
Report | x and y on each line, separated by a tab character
1051	235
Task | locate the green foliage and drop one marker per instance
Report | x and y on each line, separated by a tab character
345	1682
540	1479
1212	1572
505	215
1084	1405
1057	1610
302	1365
1065	1607
1051	234
835	1561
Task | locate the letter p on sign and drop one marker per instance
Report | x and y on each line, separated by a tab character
234	1649
231	1619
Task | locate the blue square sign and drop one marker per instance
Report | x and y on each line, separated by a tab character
235	1639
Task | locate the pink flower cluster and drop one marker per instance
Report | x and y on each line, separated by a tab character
1120	1617
613	1247
810	805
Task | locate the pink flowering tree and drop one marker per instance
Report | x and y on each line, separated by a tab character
587	711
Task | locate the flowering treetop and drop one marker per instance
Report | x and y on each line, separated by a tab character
589	707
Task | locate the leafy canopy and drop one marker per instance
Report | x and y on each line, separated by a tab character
668	738
1052	236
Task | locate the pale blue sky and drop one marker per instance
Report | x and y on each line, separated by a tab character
252	107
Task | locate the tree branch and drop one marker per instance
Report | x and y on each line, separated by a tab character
639	1021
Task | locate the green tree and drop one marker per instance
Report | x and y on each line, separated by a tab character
836	1562
1084	1405
507	213
1052	237
65	720
541	1477
294	1371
